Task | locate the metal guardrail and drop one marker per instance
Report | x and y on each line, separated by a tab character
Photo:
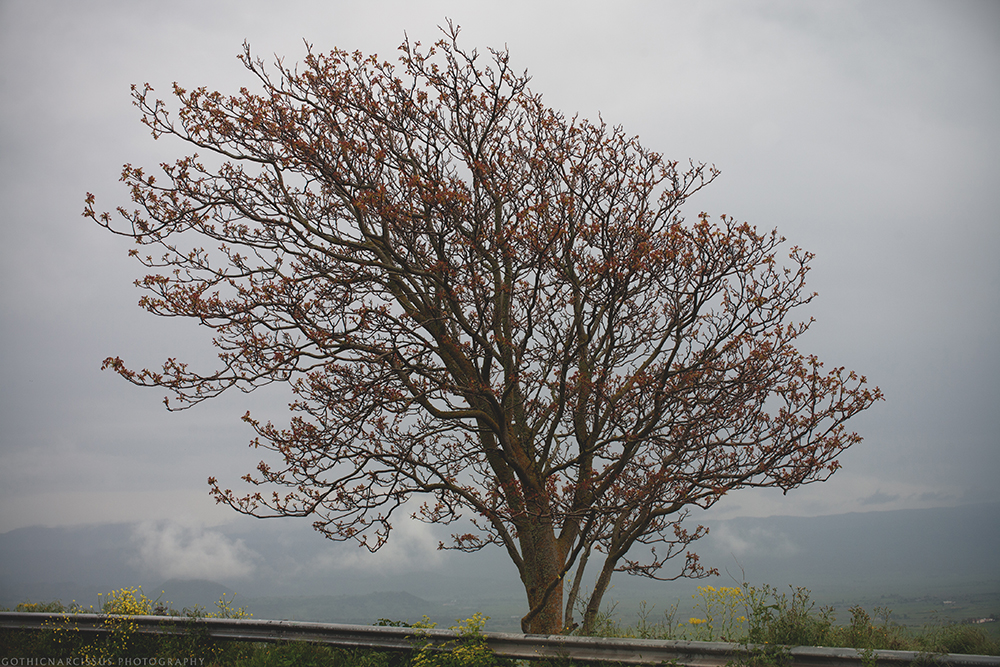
528	647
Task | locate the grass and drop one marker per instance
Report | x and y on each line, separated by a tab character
761	616
64	643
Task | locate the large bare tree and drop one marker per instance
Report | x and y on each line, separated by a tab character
480	304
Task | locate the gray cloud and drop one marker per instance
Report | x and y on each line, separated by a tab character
752	541
173	551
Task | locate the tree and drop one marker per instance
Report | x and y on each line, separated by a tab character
482	305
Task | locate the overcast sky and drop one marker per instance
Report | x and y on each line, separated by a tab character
866	132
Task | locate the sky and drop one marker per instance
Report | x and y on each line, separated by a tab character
866	132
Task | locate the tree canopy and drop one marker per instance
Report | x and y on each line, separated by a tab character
485	309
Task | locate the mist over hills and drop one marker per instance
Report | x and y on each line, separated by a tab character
872	546
284	569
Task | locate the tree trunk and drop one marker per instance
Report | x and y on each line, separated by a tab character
542	577
574	591
594	604
545	617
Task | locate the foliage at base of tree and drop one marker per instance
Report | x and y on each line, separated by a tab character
762	616
765	621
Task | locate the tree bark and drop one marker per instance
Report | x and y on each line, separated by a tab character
542	573
594	604
574	592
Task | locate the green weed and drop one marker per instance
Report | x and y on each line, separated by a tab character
769	620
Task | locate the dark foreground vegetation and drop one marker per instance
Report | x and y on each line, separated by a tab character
763	615
759	616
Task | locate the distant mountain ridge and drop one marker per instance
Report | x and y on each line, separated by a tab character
959	541
286	570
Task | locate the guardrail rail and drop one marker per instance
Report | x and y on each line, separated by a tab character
525	647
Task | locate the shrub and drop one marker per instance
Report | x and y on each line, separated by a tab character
958	638
775	618
468	650
721	608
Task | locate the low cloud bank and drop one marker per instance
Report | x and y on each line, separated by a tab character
752	540
412	546
174	551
